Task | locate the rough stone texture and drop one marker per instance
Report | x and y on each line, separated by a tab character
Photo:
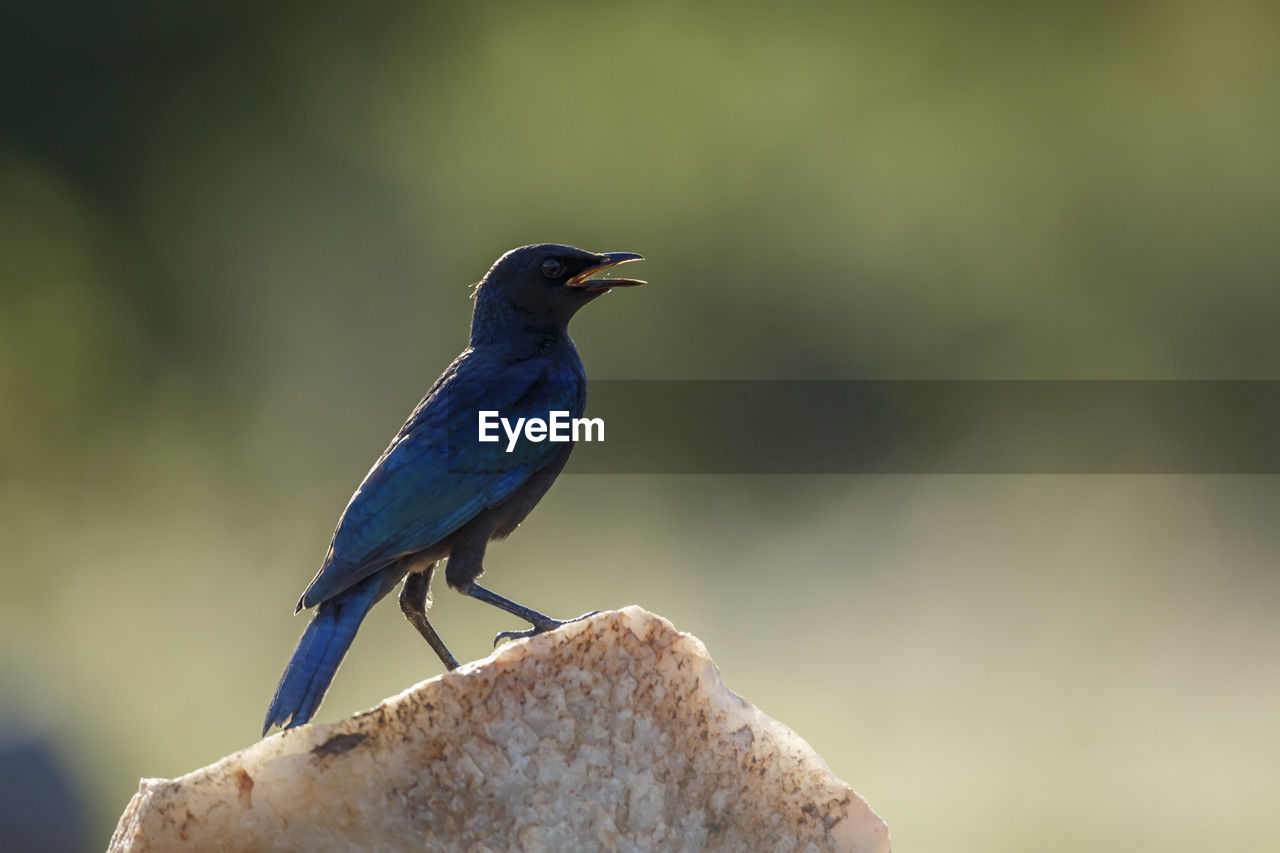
613	733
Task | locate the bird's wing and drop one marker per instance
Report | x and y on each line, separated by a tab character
436	476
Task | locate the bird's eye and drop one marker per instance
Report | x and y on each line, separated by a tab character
553	268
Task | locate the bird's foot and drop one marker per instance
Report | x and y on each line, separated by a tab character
540	628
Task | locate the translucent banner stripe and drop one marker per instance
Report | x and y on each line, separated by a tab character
926	427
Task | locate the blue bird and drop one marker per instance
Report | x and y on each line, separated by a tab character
437	492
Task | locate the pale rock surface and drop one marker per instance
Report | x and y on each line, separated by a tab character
614	733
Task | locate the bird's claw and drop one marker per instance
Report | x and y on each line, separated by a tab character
540	628
518	635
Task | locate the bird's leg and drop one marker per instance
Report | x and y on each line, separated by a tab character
415	598
540	622
466	563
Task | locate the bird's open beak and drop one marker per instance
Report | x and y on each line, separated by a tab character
609	259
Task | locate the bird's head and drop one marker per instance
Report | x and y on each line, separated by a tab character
542	286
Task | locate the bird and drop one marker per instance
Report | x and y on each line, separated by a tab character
438	493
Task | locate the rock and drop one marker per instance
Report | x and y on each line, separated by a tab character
612	733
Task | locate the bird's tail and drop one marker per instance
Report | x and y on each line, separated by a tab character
323	646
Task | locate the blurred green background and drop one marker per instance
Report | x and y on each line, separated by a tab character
235	246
